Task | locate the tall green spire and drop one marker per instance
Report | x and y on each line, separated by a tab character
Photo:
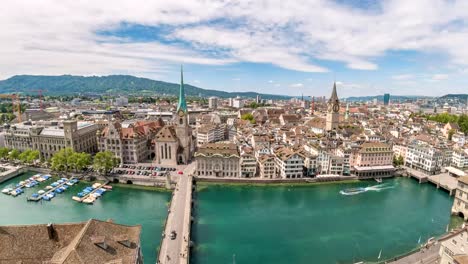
182	103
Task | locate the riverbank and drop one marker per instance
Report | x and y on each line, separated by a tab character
141	187
201	183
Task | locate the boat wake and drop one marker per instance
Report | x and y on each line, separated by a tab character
375	188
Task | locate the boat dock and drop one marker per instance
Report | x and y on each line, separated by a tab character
40	196
31	182
82	199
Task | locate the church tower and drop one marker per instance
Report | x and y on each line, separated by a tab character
182	128
333	111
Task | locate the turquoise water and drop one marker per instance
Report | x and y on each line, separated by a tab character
315	224
123	205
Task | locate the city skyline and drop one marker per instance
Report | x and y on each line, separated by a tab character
391	47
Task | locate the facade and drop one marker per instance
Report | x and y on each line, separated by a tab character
248	163
372	160
52	137
92	242
453	248
289	163
213	102
425	158
129	144
333	111
218	160
211	133
266	165
460	203
460	158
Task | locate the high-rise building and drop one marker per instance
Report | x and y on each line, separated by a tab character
386	99
213	102
333	111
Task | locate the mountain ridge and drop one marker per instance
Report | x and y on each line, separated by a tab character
111	84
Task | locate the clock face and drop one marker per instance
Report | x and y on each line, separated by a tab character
181	113
336	108
330	107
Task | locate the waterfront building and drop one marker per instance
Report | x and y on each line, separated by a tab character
289	163
460	158
453	248
210	133
333	111
248	162
93	241
460	203
400	149
51	137
174	144
266	165
372	160
424	157
130	144
218	160
213	102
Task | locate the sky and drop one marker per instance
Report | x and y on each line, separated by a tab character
292	47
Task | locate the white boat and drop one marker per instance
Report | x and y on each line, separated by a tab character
96	185
49	187
14	193
89	200
7	190
41	192
76	198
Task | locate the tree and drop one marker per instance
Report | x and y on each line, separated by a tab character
249	117
4	153
13	155
79	161
62	160
23	157
33	156
104	161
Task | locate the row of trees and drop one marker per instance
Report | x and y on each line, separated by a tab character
461	120
27	156
67	160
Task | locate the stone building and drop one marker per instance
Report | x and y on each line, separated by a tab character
289	163
372	160
218	160
266	166
211	133
453	247
460	203
91	242
333	111
51	137
248	162
175	144
130	144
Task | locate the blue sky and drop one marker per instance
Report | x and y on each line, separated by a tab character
283	47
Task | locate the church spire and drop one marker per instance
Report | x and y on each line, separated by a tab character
334	96
182	106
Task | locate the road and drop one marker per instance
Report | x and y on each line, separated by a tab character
178	220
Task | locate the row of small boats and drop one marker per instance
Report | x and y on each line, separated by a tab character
91	193
58	187
28	183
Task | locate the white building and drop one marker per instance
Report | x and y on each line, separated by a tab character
425	158
248	163
237	102
266	165
211	133
218	160
213	102
289	163
453	248
460	158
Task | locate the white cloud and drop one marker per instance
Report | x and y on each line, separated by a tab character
296	85
56	37
439	77
236	79
403	77
271	81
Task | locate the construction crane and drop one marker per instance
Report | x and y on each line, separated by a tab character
15	102
39	93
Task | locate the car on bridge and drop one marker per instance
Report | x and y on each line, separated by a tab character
173	235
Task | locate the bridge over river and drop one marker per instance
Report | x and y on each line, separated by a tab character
179	220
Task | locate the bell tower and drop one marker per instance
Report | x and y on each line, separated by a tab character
182	119
182	128
333	111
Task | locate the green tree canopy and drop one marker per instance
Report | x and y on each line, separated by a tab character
104	161
62	160
4	152
13	155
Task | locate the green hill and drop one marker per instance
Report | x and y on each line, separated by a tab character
112	84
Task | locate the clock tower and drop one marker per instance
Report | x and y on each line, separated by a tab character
333	111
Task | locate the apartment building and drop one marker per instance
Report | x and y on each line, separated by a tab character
289	163
460	203
210	133
266	165
218	160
